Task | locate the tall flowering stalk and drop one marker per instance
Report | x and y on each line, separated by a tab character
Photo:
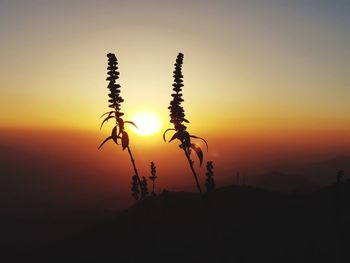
115	100
177	118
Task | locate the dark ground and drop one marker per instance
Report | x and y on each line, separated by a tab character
232	224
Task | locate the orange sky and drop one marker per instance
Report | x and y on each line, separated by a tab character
248	154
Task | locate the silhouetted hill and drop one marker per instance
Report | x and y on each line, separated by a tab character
290	183
300	178
320	172
233	224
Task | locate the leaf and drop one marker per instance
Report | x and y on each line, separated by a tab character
175	136
132	123
166	132
107	139
108	112
196	137
199	152
109	117
116	140
125	140
114	134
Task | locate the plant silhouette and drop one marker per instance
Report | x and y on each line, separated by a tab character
144	187
135	188
210	184
115	100
153	176
177	118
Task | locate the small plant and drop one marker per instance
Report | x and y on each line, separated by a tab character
177	118
153	176
135	188
115	100
210	184
144	187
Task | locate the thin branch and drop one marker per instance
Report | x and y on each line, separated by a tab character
190	162
134	165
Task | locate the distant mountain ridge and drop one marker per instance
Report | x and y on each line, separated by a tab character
302	178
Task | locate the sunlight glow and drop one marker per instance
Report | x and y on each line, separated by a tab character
148	123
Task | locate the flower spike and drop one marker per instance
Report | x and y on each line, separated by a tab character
118	131
177	114
177	118
115	101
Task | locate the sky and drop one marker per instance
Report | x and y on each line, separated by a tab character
270	64
263	78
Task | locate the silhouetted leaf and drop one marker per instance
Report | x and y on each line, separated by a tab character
166	132
107	139
198	151
196	137
114	134
132	123
108	112
109	117
125	140
175	136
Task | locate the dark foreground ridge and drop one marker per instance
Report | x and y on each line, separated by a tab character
232	224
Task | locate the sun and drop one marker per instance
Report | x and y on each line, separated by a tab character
148	123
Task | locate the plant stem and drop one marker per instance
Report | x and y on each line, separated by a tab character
135	169
193	171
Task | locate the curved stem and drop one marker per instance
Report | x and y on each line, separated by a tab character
135	169
190	162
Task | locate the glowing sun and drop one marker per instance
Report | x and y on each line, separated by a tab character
147	123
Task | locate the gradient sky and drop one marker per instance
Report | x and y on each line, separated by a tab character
258	74
272	64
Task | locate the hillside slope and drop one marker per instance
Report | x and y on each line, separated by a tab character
233	224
